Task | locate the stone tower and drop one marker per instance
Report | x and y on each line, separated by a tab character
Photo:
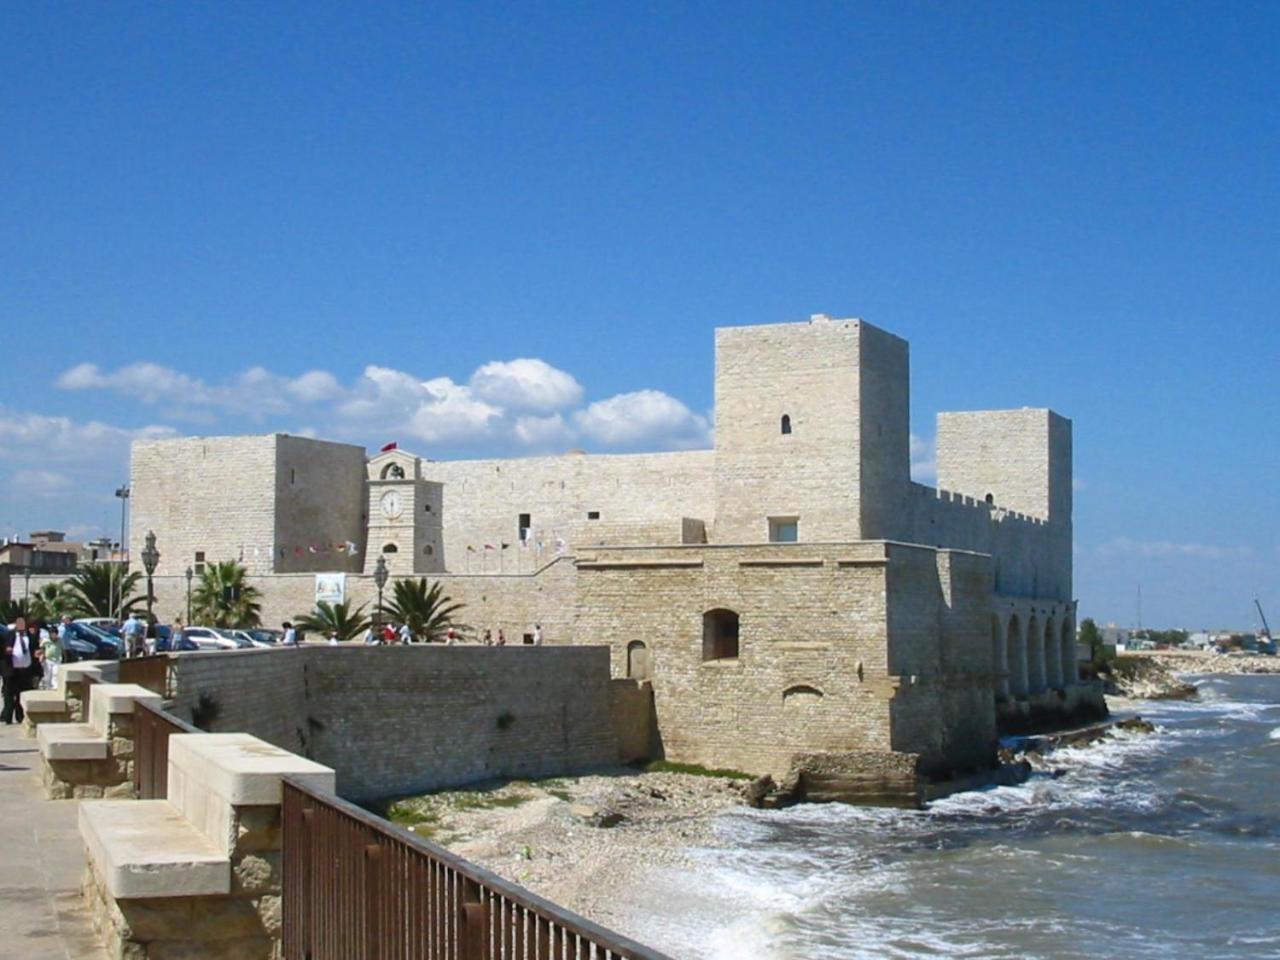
404	516
812	432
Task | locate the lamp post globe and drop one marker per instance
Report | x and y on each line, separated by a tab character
380	575
150	560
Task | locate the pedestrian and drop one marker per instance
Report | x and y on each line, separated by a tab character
451	638
537	634
177	634
133	629
488	638
388	633
16	658
333	638
502	638
371	637
406	635
153	630
290	635
51	653
64	630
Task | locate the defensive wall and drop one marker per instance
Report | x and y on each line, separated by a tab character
400	720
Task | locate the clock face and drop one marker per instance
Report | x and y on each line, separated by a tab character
392	504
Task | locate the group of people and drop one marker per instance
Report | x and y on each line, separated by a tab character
30	655
501	639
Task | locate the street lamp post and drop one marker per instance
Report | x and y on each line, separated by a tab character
123	494
190	573
380	575
27	585
150	558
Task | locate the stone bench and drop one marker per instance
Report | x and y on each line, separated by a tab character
43	706
197	874
94	759
75	683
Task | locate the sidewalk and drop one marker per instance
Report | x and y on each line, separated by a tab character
41	864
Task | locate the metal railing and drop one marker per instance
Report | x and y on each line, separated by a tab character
152	729
357	887
151	672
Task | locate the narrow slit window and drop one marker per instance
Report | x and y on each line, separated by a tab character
786	423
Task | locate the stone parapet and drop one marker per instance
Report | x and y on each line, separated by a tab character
198	874
43	706
94	759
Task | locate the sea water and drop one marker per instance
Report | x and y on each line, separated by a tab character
1144	845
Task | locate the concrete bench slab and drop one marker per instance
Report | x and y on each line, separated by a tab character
106	699
71	741
147	849
44	701
241	769
101	670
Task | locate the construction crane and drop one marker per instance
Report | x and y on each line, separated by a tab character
1268	644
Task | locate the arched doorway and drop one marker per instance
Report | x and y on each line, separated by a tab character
639	666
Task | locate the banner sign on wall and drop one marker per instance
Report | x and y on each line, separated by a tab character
331	587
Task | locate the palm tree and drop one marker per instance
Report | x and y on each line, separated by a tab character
334	618
97	589
223	599
11	610
50	602
427	611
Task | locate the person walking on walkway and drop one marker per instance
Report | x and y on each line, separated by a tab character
51	653
133	630
16	659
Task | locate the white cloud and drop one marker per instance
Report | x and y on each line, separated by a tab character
40	483
924	459
1165	549
431	410
544	432
526	384
315	386
36	438
643	417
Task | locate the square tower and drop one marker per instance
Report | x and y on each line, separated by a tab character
404	516
1016	459
812	432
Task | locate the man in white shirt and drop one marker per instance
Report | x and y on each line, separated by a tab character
290	635
133	631
406	635
16	657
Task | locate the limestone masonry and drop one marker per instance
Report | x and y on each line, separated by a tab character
791	591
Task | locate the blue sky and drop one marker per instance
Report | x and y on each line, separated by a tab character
352	219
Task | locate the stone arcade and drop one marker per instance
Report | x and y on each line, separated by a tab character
791	591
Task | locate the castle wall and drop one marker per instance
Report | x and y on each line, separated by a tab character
811	670
399	720
320	502
215	495
635	496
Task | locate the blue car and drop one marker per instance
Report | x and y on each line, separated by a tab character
85	642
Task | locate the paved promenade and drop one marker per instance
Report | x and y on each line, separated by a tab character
41	864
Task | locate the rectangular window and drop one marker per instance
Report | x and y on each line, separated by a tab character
523	525
593	514
199	562
784	529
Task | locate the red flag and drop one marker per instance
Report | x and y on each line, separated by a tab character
389	447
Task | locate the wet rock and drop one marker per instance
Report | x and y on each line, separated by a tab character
755	791
601	817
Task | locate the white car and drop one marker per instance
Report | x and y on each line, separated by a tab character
258	637
215	638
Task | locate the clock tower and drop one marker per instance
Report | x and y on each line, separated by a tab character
404	516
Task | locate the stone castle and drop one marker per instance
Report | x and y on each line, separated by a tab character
790	591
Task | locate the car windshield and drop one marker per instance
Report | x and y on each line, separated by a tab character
264	636
97	633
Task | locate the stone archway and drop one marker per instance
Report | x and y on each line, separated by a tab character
1000	657
1016	647
1052	657
1035	656
1070	666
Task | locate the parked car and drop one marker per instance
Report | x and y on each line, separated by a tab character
87	642
215	638
107	624
260	636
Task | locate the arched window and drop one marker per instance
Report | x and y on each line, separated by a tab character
639	666
719	635
786	423
990	498
390	548
393	471
800	696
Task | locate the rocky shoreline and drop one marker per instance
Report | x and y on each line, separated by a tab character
581	842
1157	675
